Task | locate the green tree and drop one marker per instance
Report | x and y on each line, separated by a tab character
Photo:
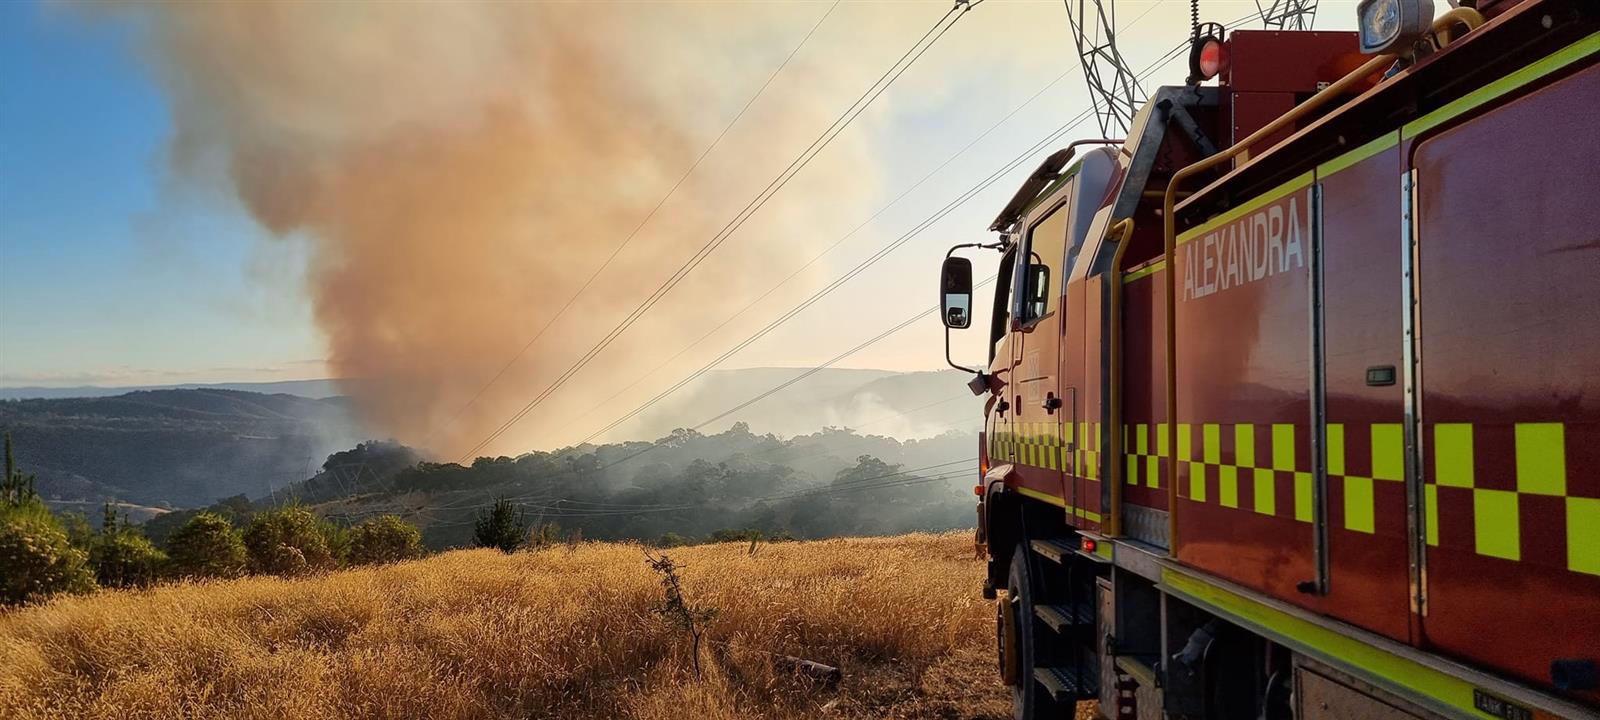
671	540
124	557
108	518
503	526
16	489
732	535
206	546
36	559
384	539
288	541
79	532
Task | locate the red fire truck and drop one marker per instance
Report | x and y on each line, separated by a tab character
1294	392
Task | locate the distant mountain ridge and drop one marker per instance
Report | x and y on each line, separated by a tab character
315	389
174	447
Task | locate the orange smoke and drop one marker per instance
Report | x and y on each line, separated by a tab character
457	170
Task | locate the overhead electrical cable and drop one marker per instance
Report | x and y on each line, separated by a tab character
854	271
963	198
1156	65
646	220
914	53
803	375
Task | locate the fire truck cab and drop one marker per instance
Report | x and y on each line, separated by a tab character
1293	394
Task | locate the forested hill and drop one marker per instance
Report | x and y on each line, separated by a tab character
193	446
832	482
174	447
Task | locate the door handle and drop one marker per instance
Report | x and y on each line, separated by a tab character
1002	407
1051	403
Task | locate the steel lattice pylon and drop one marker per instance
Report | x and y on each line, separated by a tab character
1113	88
1288	14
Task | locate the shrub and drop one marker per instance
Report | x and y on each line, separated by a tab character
124	557
543	535
671	540
384	539
288	541
36	559
79	532
733	535
503	527
206	546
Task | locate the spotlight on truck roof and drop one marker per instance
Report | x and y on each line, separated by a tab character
1391	25
1208	55
1213	58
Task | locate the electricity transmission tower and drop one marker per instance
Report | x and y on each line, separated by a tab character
1113	88
1288	14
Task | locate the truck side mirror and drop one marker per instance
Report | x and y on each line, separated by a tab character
955	292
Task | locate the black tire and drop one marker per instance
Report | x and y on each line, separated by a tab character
1029	701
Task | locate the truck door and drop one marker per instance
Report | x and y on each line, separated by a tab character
1357	256
1507	380
1035	393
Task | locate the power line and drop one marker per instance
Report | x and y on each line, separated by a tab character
1067	127
919	408
1162	61
851	274
598	509
966	196
875	257
833	245
648	216
808	373
871	260
923	44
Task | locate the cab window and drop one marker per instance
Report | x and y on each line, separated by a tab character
1039	287
1000	322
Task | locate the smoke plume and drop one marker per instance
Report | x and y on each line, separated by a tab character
456	171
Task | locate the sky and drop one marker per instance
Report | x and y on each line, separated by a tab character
119	265
105	278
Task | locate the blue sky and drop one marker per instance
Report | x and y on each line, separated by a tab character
100	281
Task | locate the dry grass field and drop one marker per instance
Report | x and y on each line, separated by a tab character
568	632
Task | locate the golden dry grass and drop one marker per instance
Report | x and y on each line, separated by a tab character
560	633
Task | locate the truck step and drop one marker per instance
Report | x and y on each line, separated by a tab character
1064	618
1057	550
1062	685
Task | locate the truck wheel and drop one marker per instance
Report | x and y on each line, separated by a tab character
1029	701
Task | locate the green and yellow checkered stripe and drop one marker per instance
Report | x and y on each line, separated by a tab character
1540	453
1249	481
1143	447
1040	444
1254	468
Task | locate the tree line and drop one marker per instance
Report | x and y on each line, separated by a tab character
685	486
380	501
43	555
